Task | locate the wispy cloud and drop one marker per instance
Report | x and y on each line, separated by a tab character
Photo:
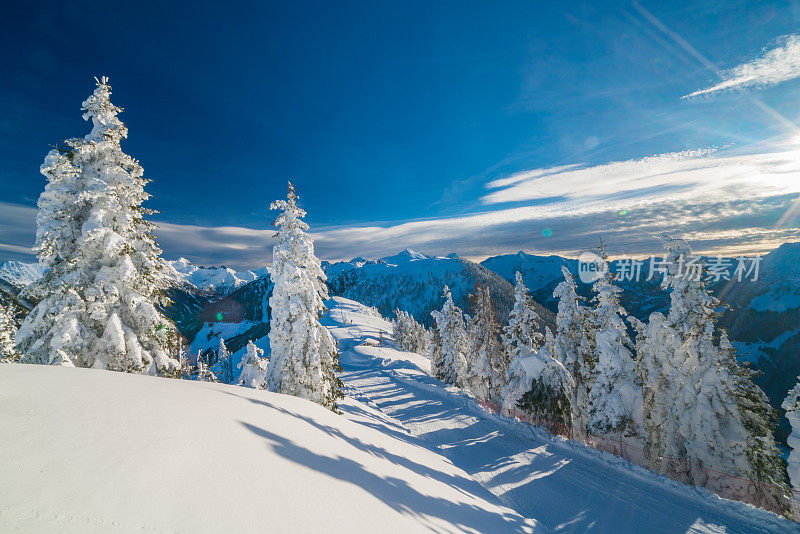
723	203
776	65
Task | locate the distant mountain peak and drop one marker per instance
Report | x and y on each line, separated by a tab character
406	255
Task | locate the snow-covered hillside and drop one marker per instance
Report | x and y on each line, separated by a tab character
566	486
218	280
113	452
413	282
20	274
408	455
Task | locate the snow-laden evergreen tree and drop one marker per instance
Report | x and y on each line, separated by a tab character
547	399
224	364
698	401
409	335
452	332
434	352
615	398
520	339
484	344
97	301
8	329
574	348
254	368
204	372
304	359
792	406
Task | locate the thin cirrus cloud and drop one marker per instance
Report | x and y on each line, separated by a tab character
727	204
776	65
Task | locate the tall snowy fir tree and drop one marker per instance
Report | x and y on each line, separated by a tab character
303	360
8	330
253	368
695	394
484	344
792	406
452	332
574	347
97	301
520	339
224	364
615	397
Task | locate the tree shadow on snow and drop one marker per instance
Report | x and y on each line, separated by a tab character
394	492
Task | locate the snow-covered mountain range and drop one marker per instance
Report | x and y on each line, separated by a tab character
413	282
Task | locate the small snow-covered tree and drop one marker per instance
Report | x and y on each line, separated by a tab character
8	329
254	368
792	406
574	347
304	359
547	399
224	363
484	344
615	397
434	352
105	277
409	335
204	372
519	339
451	329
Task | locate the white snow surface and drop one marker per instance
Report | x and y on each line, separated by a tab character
112	452
408	454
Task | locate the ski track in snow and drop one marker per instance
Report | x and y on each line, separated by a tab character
563	485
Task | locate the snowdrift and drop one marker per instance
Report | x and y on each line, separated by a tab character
97	451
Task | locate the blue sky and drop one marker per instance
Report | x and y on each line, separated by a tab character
421	124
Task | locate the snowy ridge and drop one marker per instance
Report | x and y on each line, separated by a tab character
413	282
219	280
20	274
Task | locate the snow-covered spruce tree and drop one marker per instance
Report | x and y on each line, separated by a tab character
434	352
8	329
792	406
484	344
304	360
97	301
519	339
254	368
204	372
758	417
615	398
409	335
574	348
697	398
224	363
547	399
451	329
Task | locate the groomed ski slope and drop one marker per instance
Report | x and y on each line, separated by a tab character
85	450
564	485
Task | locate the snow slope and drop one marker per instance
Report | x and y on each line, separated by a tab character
20	274
563	484
97	451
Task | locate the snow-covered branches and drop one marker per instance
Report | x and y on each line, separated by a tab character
304	359
97	301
